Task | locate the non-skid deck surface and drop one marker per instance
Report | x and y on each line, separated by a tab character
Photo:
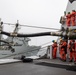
6	61
56	63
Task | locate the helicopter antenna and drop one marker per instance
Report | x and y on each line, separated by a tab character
1	28
16	27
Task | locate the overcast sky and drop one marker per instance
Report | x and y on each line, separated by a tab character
43	13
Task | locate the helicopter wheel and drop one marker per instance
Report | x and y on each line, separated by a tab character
13	50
